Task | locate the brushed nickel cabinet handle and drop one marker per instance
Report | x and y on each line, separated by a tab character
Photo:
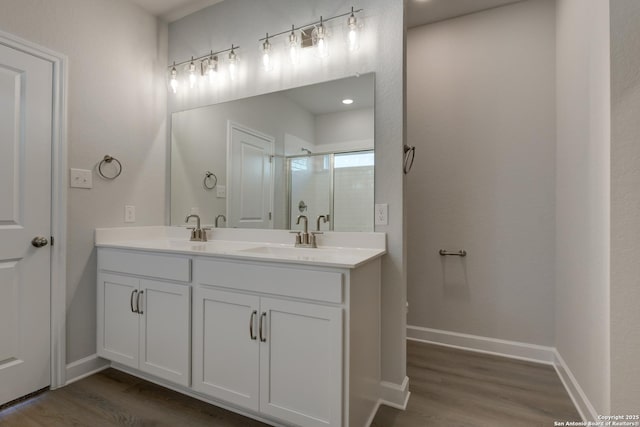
262	317
135	291
252	320
138	302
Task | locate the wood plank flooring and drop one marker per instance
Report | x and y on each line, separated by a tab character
451	387
448	388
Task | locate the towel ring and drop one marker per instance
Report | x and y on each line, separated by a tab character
210	176
108	159
409	157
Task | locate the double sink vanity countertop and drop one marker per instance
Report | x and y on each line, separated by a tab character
335	249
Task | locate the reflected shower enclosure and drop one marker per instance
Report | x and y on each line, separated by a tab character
339	186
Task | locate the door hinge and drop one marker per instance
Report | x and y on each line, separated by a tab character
52	240
269	216
270	159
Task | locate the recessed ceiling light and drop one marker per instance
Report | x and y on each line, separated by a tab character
347	101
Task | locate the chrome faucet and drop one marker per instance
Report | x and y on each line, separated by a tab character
224	218
304	239
323	218
197	234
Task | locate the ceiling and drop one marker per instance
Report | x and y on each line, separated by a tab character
421	12
172	10
324	98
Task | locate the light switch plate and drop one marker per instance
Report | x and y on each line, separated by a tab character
221	191
81	178
382	214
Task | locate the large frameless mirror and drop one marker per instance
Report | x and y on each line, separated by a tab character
260	162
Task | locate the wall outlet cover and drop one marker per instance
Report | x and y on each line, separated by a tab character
221	191
382	214
129	213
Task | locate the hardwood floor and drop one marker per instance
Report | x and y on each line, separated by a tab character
451	387
448	388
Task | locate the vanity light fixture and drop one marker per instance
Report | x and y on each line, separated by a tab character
353	37
266	54
315	34
320	42
208	67
233	63
173	78
293	47
192	74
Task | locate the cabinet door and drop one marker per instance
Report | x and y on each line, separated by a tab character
301	362
226	350
165	318
117	321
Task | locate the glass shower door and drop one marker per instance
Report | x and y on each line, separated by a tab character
310	183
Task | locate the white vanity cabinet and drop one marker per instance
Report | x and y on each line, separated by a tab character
289	342
144	320
265	341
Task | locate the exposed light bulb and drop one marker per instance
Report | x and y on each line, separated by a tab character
293	47
347	101
353	36
320	40
233	64
173	80
266	54
193	78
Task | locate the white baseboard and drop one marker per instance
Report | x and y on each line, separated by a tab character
395	395
579	398
373	414
498	347
85	367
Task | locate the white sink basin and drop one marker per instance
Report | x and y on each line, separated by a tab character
287	252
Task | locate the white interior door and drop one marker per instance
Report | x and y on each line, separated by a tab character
250	183
25	213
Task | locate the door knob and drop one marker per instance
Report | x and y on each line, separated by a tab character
39	241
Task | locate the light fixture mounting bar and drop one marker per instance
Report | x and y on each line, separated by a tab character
208	55
309	25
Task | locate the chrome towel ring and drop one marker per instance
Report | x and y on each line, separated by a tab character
409	156
108	160
210	180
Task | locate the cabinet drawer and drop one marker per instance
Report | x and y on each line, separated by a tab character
158	266
297	283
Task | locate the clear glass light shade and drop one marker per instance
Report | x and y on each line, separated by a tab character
353	33
173	80
193	77
266	56
233	65
211	68
293	47
320	43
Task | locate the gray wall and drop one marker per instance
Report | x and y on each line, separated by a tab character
116	106
582	195
243	22
481	112
625	206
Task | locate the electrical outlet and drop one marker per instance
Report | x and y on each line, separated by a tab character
81	178
129	213
382	214
221	191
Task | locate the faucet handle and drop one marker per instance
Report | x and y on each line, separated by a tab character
298	237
